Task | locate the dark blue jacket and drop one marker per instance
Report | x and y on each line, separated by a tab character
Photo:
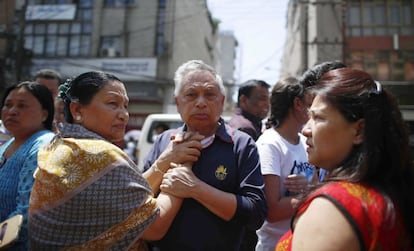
231	164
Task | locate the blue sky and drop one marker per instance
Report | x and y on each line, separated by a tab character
259	27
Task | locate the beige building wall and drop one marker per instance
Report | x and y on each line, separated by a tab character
188	34
193	36
135	26
225	51
314	35
292	59
324	31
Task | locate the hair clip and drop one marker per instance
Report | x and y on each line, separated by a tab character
64	92
63	88
378	89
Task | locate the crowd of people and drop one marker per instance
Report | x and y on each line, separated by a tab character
319	162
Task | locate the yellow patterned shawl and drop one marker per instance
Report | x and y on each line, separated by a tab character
88	195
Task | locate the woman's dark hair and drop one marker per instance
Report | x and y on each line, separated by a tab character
281	99
311	76
82	89
383	159
41	93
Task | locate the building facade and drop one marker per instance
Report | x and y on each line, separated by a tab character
314	34
225	50
140	41
376	36
6	28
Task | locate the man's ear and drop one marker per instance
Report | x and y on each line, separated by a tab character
359	132
242	101
177	104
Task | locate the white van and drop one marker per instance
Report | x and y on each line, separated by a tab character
148	132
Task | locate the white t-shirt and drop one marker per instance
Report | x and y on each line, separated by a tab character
281	158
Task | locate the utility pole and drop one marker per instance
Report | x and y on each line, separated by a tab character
305	57
20	51
343	12
5	35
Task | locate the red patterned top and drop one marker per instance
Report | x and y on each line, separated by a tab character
377	227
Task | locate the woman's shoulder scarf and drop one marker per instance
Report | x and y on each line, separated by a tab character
88	194
377	225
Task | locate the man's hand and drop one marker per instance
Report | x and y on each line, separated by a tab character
179	181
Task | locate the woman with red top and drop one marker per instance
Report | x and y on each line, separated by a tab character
356	132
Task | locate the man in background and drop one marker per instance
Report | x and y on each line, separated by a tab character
49	78
52	79
252	107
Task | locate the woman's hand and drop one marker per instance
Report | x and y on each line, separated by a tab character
183	148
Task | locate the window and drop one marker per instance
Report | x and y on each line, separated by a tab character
39	29
395	17
85	14
380	15
38	43
51	45
354	16
409	71
58	38
87	28
368	16
379	18
109	41
74	46
62	45
85	46
28	29
118	3
52	28
407	17
75	28
63	28
28	41
110	46
86	3
384	65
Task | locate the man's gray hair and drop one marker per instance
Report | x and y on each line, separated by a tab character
195	65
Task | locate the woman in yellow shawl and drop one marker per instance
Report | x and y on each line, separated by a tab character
88	195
